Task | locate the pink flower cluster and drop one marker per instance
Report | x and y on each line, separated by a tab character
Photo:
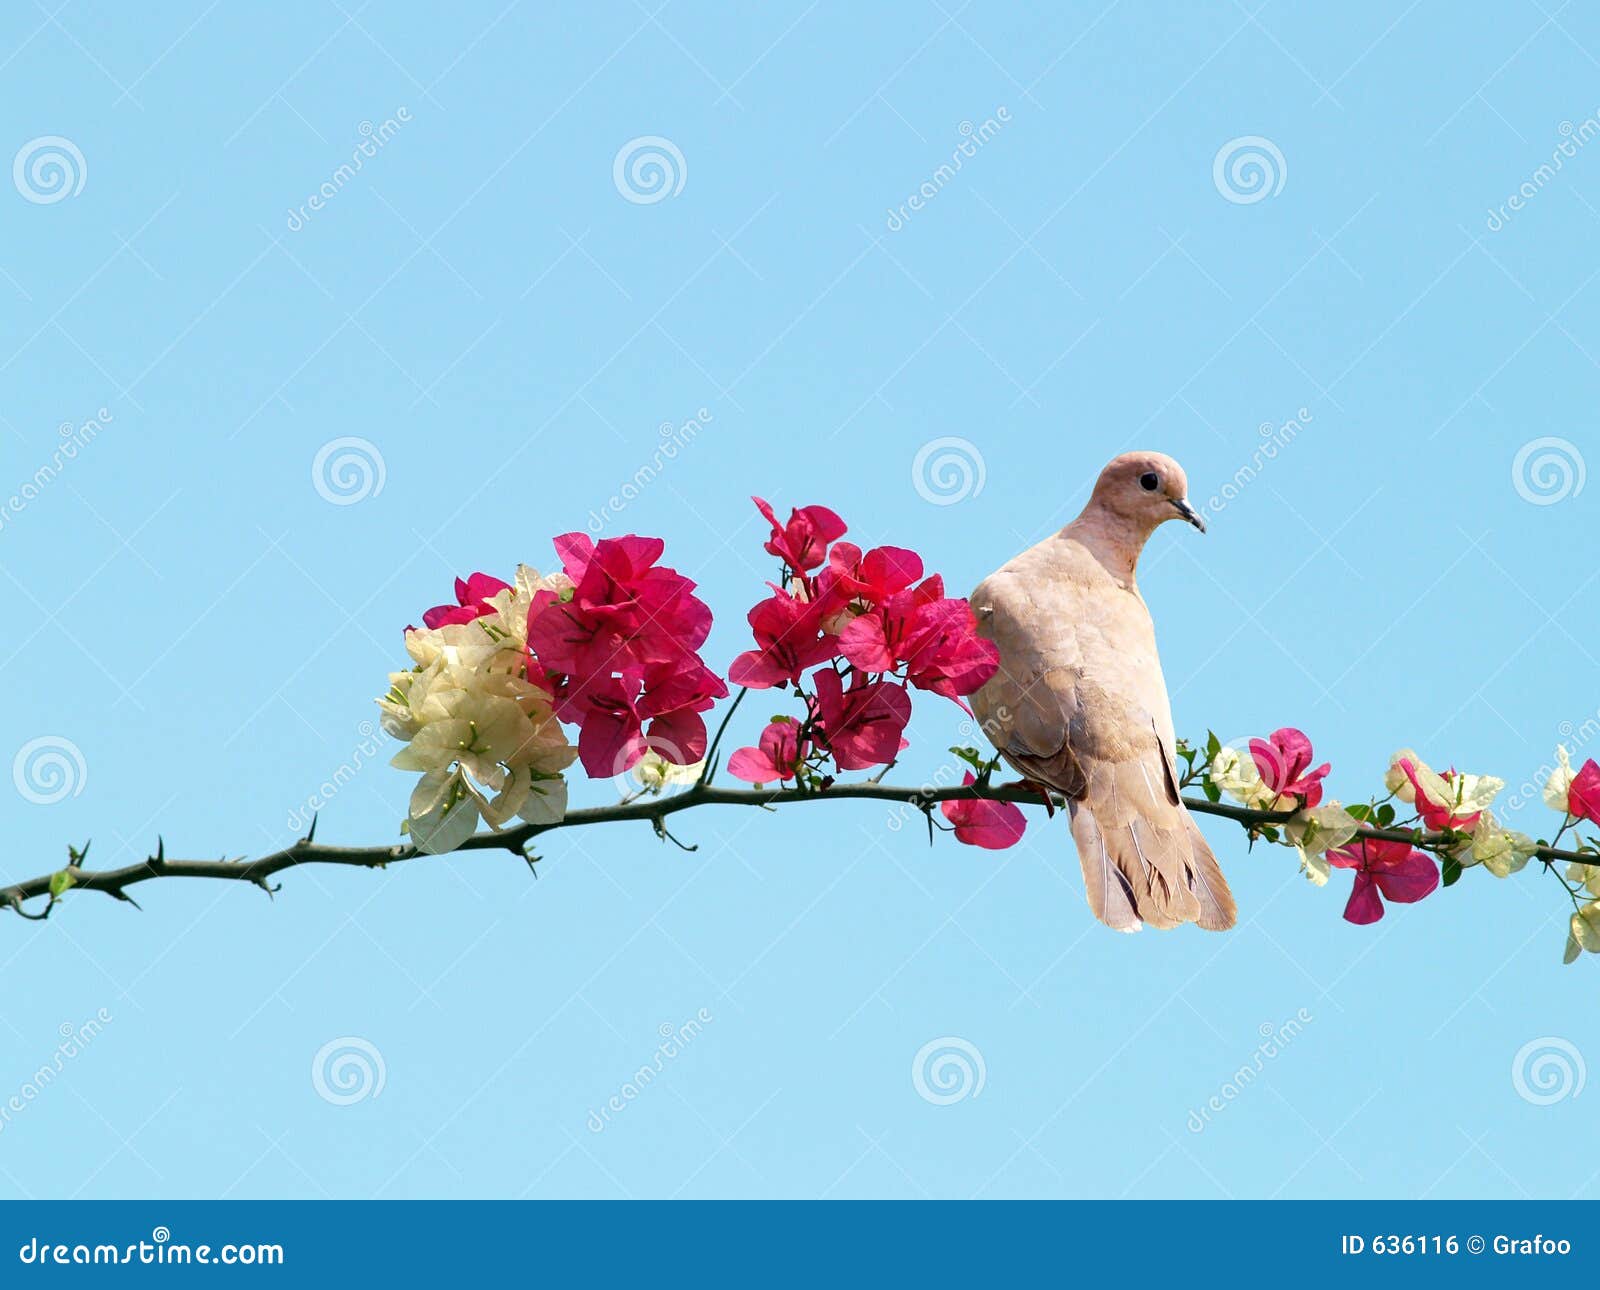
619	652
869	628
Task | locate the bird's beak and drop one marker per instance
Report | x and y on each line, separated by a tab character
1181	504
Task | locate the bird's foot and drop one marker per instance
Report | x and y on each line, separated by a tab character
1034	786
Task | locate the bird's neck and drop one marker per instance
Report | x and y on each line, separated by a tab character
1110	541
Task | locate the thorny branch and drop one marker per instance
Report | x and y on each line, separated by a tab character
652	810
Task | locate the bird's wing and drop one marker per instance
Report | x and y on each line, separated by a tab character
1071	707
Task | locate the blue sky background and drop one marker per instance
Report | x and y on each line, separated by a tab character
485	307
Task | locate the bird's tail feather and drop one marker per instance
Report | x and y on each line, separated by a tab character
1140	862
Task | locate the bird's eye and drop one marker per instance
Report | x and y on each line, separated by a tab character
1150	481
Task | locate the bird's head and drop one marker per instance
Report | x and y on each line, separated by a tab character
1143	490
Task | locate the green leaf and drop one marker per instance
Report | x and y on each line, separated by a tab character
1212	792
1385	815
1213	746
1452	871
59	882
1358	811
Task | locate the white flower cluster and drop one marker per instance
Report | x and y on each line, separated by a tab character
483	737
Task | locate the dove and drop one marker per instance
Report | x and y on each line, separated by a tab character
1079	704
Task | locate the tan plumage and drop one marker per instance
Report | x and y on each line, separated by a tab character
1079	703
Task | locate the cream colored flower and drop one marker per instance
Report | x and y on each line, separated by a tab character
655	773
1586	876
1558	787
1314	833
1236	775
484	739
1396	780
1502	852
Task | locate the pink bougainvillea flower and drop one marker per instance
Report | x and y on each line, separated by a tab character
1384	871
473	595
789	640
991	825
618	723
934	638
882	572
624	611
1449	800
1283	760
802	543
774	759
862	726
1583	798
